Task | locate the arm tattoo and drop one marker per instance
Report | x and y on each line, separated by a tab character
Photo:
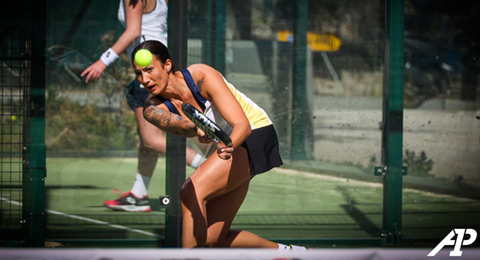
169	122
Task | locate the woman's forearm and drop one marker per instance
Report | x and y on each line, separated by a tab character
169	122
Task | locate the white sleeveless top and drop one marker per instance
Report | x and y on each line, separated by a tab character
154	24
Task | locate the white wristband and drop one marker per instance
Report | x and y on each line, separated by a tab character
108	57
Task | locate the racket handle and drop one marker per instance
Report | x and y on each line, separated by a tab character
211	129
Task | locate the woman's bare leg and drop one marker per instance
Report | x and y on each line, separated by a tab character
217	185
221	211
152	143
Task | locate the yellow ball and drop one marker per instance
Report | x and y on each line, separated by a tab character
14	118
143	58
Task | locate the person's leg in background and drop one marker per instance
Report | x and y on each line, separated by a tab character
152	143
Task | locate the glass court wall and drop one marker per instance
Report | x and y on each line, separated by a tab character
441	117
325	98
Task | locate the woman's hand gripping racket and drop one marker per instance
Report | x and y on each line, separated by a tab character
211	129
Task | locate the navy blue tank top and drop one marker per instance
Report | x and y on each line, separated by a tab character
193	88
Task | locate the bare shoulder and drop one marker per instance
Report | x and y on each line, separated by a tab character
205	78
202	70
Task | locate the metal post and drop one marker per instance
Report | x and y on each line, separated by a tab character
300	108
176	163
215	36
208	34
34	137
220	21
393	120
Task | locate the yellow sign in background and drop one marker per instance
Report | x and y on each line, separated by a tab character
316	41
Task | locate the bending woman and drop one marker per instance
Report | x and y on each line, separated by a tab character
214	192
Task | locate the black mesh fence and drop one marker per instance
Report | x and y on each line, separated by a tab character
15	75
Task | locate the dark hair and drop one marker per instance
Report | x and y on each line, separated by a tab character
156	48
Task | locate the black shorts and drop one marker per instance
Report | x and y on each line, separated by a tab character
262	148
135	94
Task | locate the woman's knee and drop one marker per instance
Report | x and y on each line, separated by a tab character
155	146
154	142
220	238
188	193
185	190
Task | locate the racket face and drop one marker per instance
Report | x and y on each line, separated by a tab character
73	61
66	64
211	129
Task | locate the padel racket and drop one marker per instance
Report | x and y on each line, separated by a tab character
211	129
70	60
65	59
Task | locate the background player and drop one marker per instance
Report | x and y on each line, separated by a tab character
142	20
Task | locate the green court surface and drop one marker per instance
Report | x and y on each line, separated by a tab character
281	204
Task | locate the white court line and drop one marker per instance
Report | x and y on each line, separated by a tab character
95	221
